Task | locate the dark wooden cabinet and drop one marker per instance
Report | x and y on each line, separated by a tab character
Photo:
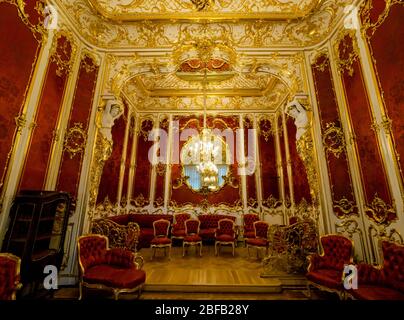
37	230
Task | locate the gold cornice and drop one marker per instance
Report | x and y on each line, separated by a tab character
198	16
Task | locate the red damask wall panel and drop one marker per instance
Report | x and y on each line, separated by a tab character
301	186
70	168
19	47
387	49
141	183
338	168
110	175
373	175
49	107
269	172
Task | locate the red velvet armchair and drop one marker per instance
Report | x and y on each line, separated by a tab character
248	220
384	282
225	234
9	276
260	240
326	270
178	229
192	236
161	240
115	269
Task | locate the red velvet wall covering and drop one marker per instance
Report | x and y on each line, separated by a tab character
338	169
19	47
160	171
70	168
300	183
110	175
227	195
372	170
251	186
269	173
387	48
287	200
141	186
49	107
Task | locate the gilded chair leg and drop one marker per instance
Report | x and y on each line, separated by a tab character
183	249
116	294
248	250
200	249
215	248
308	291
80	291
169	253
233	249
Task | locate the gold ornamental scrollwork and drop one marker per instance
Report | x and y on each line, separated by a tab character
75	140
333	139
201	4
102	151
347	52
344	206
379	211
271	202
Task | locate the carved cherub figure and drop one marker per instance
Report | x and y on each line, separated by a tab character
299	113
113	110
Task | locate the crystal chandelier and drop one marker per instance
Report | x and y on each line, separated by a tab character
208	152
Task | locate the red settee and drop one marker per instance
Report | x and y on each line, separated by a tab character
209	224
384	282
145	222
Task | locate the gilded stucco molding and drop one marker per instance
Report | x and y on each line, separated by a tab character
164	34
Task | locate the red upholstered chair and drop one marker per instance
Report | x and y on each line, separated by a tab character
225	234
9	276
161	240
326	270
248	220
192	237
260	241
384	282
115	269
178	229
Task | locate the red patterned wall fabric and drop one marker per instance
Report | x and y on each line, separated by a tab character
287	200
38	158
19	54
141	183
301	186
374	179
385	41
268	159
344	203
109	183
76	133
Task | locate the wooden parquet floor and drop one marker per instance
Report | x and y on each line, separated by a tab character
209	273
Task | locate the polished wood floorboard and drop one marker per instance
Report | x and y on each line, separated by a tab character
207	273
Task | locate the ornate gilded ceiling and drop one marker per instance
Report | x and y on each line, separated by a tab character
142	39
132	10
254	33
